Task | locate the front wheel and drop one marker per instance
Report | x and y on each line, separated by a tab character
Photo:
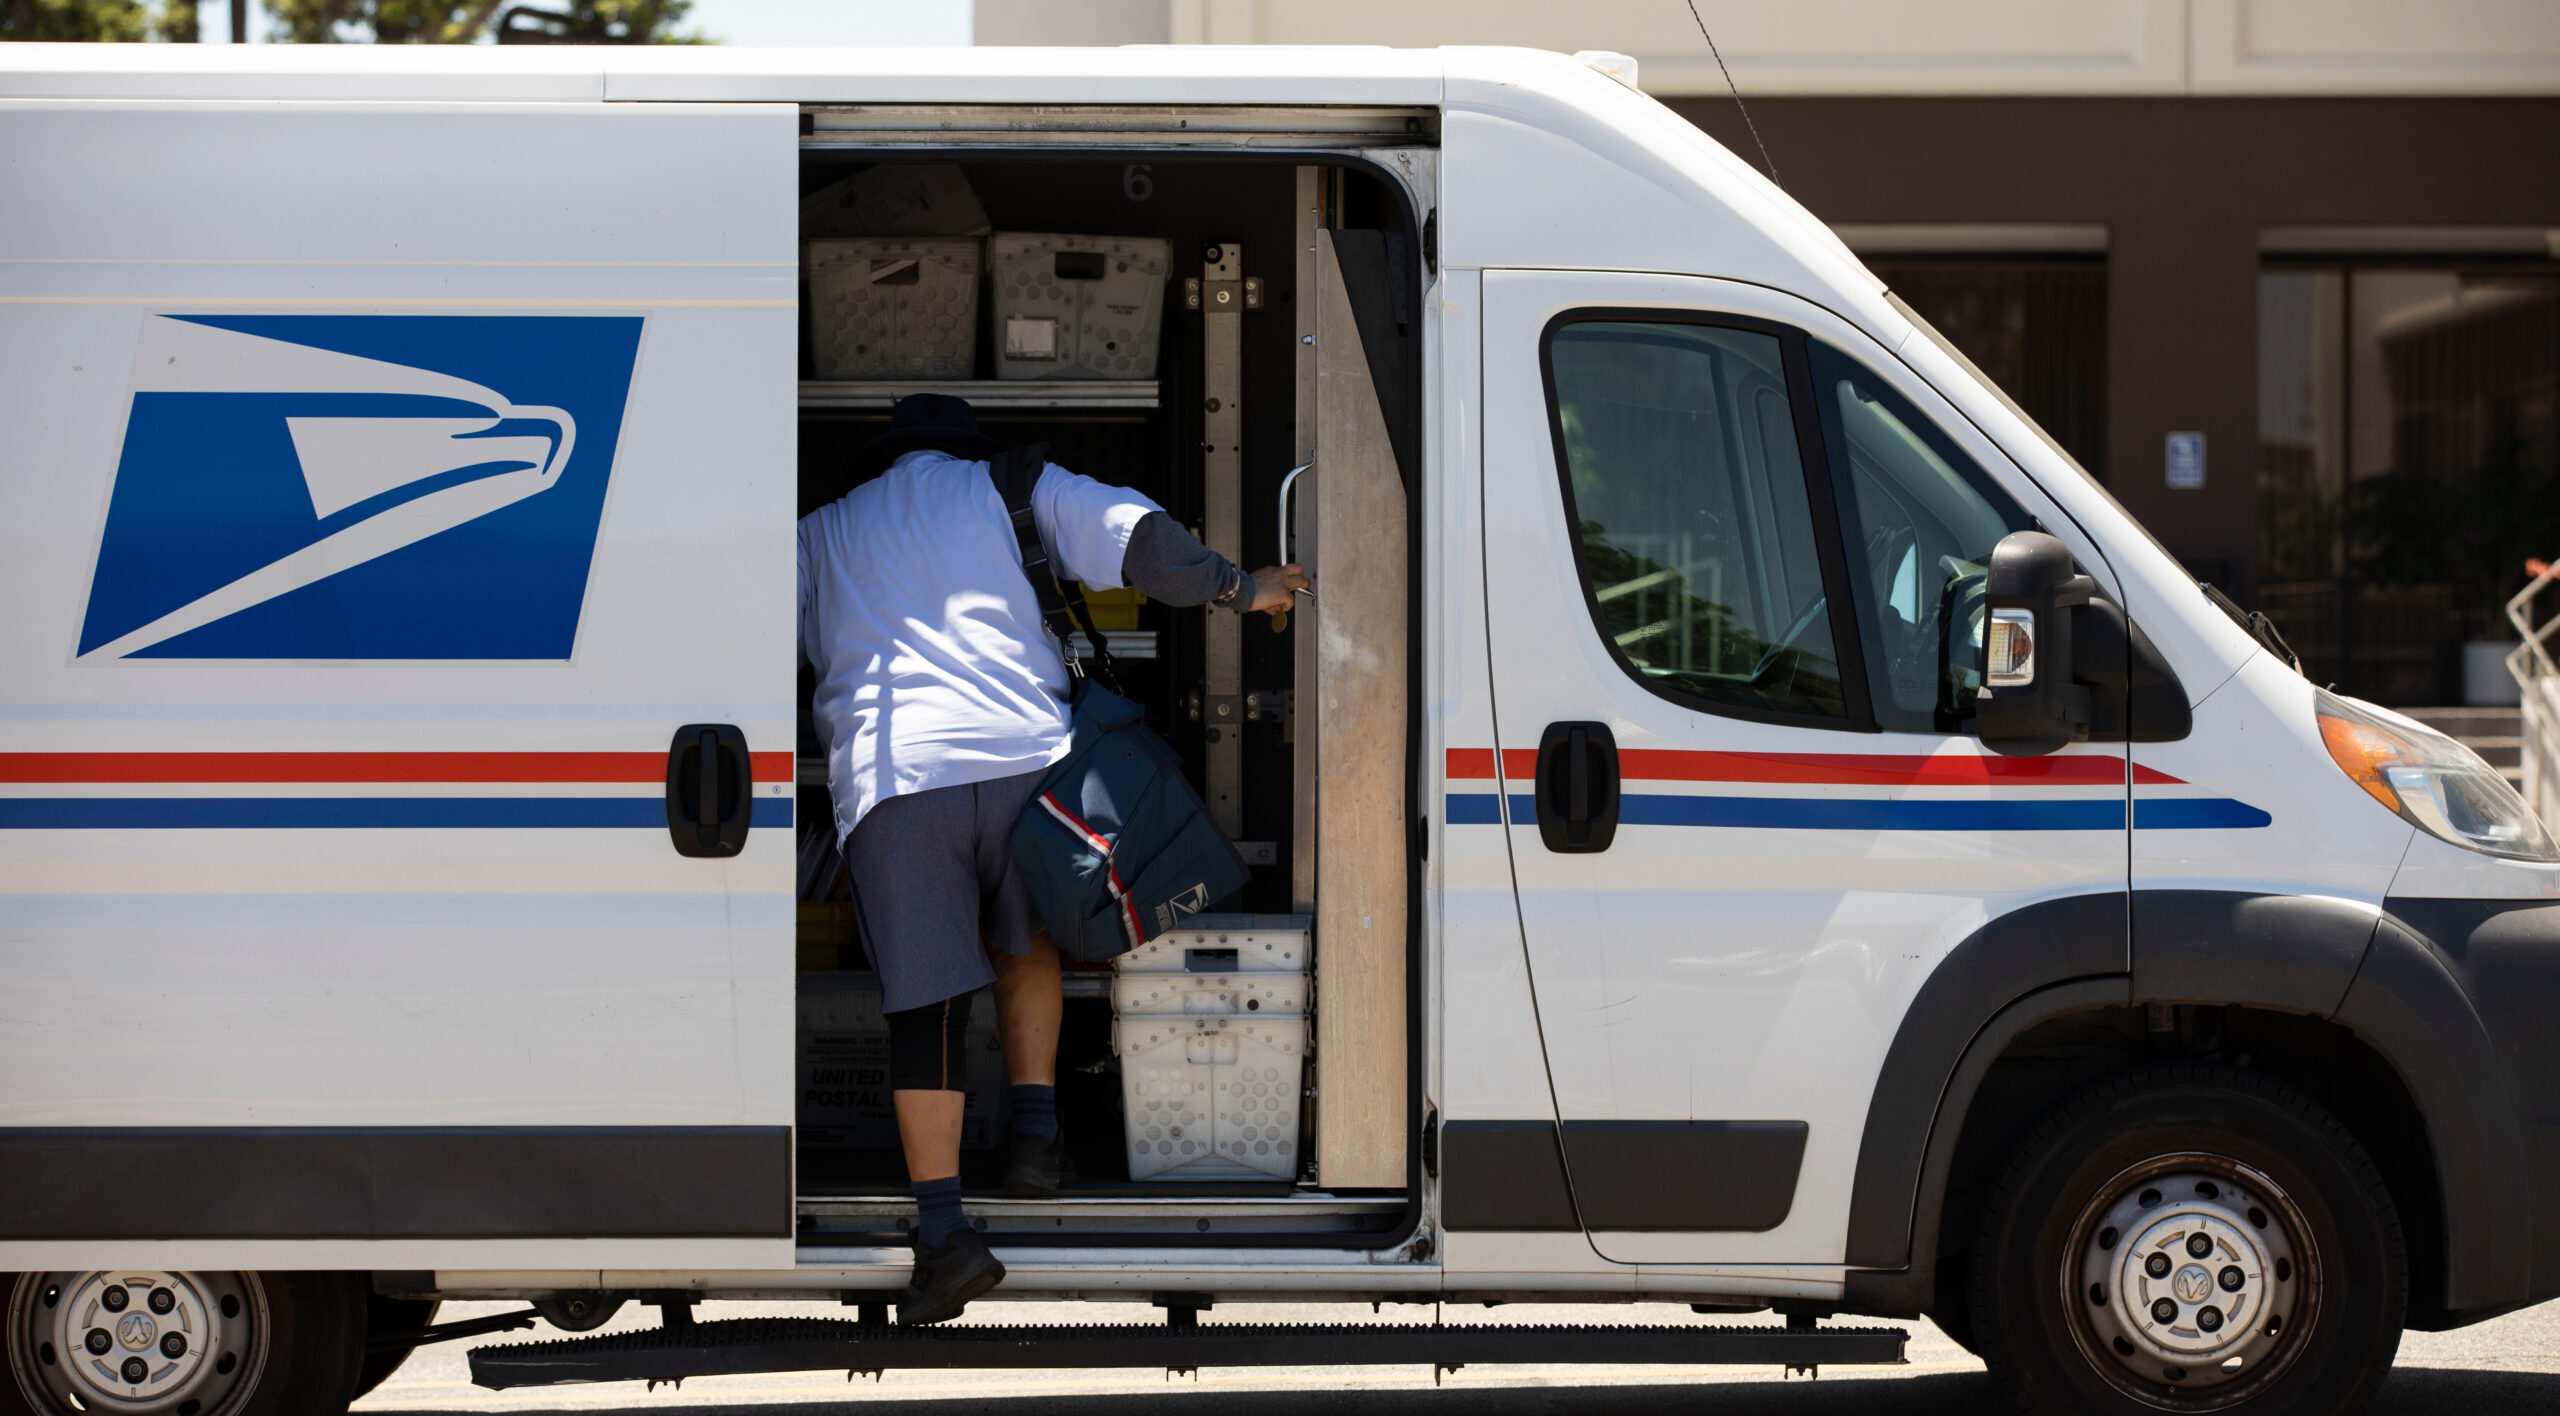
2191	1239
137	1342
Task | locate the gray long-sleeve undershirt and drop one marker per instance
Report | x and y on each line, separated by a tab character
1166	562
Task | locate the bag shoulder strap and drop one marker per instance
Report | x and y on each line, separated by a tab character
1016	473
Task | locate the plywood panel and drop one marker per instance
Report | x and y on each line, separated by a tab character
1302	547
1359	707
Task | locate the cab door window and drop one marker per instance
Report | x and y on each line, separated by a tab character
1695	528
1919	520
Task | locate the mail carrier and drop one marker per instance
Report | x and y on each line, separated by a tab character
1743	822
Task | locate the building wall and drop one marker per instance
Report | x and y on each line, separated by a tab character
2185	189
2076	47
1072	22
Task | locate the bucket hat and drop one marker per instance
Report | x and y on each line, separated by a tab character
924	420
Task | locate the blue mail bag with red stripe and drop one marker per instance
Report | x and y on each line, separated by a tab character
1117	848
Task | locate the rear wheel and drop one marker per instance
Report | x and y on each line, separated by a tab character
139	1342
2189	1238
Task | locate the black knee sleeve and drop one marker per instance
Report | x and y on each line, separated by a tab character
926	1046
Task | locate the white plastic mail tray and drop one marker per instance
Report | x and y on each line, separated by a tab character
894	307
1225	944
1150	995
1212	1098
1076	307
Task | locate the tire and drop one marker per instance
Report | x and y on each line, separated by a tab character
2189	1238
1956	1321
248	1344
383	1315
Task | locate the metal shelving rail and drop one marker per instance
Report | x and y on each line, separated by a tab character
985	395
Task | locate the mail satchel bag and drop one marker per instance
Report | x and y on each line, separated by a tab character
1116	847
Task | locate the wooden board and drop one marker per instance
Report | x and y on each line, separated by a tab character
1302	548
1359	707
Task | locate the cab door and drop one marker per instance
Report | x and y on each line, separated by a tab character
1734	558
395	773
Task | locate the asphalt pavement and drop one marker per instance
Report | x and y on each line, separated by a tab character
2510	1364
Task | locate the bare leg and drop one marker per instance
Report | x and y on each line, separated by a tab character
929	1128
1029	1004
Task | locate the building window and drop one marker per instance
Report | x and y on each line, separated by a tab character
2408	439
2037	325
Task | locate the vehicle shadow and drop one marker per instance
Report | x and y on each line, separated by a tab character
1941	1394
2411	1391
2427	1391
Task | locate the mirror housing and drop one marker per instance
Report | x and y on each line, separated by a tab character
2032	706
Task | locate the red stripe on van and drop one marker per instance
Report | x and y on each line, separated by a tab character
1653	764
358	766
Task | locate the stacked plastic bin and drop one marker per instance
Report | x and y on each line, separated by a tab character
1076	307
1210	1024
883	307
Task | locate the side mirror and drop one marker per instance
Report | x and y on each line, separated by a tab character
2029	705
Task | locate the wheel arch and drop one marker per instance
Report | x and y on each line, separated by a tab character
2329	996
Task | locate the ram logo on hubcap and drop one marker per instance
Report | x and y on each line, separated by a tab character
135	1331
2192	1284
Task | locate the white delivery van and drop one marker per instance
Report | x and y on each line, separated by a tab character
1770	832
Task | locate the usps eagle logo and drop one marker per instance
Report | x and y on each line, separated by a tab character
359	486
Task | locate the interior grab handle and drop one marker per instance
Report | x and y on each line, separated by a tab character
1288	489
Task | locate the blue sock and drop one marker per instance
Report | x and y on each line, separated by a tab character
938	1215
1035	1110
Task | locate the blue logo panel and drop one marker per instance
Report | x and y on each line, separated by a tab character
360	486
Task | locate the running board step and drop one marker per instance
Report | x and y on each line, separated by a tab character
737	1346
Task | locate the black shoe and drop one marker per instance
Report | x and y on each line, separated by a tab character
1037	1167
945	1279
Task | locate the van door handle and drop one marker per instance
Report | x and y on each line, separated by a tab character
706	816
1577	788
710	790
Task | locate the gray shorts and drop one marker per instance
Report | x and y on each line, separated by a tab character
935	887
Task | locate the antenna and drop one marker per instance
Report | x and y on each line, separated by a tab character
1736	89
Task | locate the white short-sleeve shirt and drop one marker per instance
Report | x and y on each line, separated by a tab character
933	667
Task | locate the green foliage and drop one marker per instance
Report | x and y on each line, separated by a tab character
464	21
625	21
97	21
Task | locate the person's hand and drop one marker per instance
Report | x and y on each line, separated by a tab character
1274	586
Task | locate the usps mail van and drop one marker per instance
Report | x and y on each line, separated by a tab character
1769	831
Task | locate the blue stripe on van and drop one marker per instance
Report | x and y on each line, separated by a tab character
2196	814
252	813
1866	814
1474	808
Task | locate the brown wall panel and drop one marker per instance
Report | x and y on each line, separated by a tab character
2183	185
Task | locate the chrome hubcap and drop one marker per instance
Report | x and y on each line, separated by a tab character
136	1341
2189	1278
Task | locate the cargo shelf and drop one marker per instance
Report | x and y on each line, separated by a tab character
984	395
746	1345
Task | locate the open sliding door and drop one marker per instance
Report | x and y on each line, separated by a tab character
1352	666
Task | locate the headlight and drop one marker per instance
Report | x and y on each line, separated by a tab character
2433	782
